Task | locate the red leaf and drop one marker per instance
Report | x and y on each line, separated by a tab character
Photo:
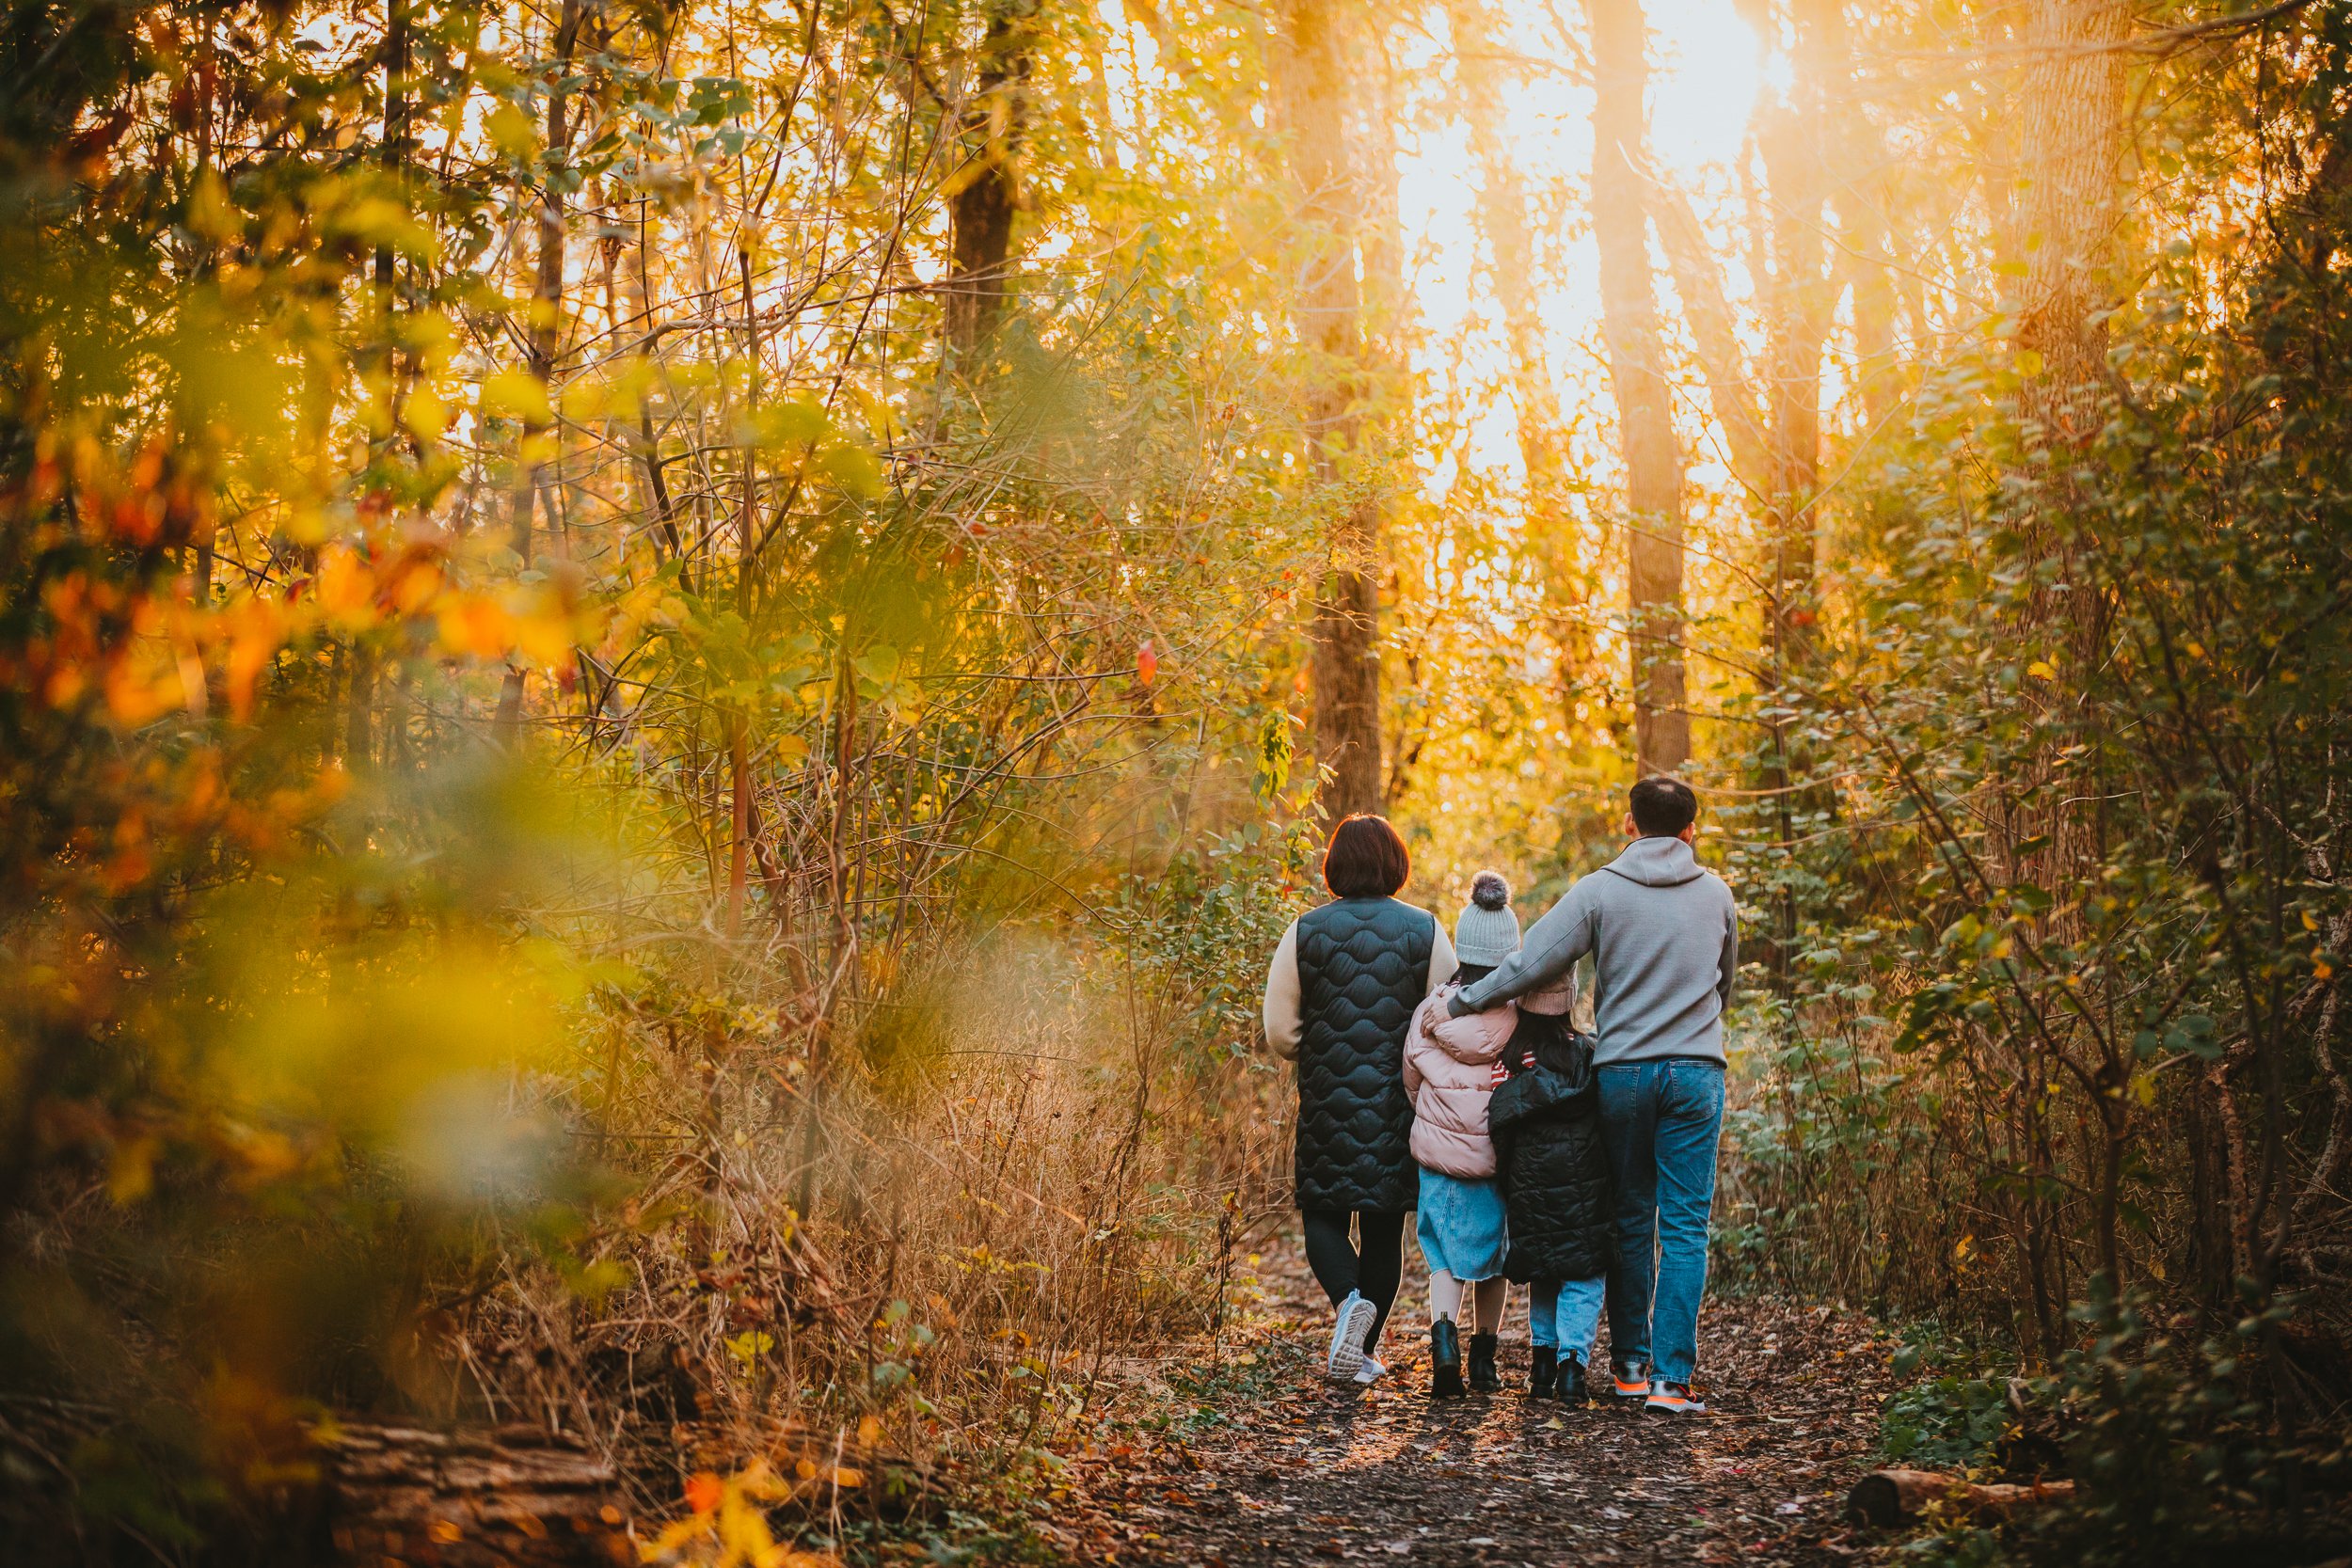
1147	663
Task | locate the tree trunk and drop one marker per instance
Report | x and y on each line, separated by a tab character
2072	135
980	274
1652	461
1797	148
546	336
1503	212
1311	77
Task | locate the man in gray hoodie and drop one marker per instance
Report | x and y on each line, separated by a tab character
1665	936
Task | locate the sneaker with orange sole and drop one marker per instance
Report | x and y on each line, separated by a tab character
1630	1381
1674	1399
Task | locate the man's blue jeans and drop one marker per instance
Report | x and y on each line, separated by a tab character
1659	1122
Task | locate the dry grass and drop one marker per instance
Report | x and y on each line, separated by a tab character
1013	1176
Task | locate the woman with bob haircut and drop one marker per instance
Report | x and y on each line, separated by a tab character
1338	997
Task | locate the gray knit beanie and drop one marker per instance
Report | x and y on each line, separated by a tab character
1488	930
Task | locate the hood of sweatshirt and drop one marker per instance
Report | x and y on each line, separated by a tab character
1657	863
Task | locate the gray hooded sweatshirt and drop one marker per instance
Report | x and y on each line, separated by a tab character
1664	937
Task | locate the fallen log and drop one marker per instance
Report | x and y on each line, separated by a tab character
1891	1497
515	1498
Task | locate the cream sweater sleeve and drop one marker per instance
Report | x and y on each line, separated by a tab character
1281	997
1441	962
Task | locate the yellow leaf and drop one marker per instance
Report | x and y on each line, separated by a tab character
545	638
516	393
781	424
475	626
416	587
2039	669
425	415
344	588
512	132
209	211
853	469
376	221
584	401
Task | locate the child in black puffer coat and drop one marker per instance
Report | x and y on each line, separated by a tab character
1545	1122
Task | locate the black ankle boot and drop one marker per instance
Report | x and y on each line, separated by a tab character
1568	1387
1541	1372
1482	1378
1445	1360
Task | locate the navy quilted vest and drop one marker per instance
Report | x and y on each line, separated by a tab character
1364	967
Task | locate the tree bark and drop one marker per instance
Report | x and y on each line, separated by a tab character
1311	78
980	273
1797	148
2071	132
1653	460
546	336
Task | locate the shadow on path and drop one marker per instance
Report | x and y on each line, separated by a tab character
1301	1470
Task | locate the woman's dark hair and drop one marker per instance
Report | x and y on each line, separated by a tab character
1469	974
1366	858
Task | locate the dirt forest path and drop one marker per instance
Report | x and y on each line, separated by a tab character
1258	1461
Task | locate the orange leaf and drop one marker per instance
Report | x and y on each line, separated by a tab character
704	1491
1147	663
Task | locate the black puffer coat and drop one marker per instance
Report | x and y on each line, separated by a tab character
1549	1159
1364	967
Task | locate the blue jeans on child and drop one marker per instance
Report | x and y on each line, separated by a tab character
1565	1316
1659	1121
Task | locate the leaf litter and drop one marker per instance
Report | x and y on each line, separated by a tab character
1241	1453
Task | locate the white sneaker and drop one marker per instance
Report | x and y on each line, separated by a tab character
1370	1373
1348	1336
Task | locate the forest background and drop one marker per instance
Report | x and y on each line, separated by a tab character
664	672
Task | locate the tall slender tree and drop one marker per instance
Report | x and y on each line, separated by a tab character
2071	130
1313	80
1653	460
980	274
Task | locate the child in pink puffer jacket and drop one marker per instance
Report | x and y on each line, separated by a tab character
1450	1074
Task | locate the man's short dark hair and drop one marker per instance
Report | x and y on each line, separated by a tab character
1663	807
1366	858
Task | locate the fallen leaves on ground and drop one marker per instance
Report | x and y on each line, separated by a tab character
1242	1455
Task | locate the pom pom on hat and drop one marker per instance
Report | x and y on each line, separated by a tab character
1488	929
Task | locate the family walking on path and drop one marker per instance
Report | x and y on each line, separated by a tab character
1446	1077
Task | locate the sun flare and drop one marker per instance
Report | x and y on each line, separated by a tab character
1707	67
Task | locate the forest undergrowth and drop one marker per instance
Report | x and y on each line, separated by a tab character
665	672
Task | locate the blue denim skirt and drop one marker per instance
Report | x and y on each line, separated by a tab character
1461	1226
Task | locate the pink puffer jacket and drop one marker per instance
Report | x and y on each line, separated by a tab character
1449	1072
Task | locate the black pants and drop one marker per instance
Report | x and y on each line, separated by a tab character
1371	1268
